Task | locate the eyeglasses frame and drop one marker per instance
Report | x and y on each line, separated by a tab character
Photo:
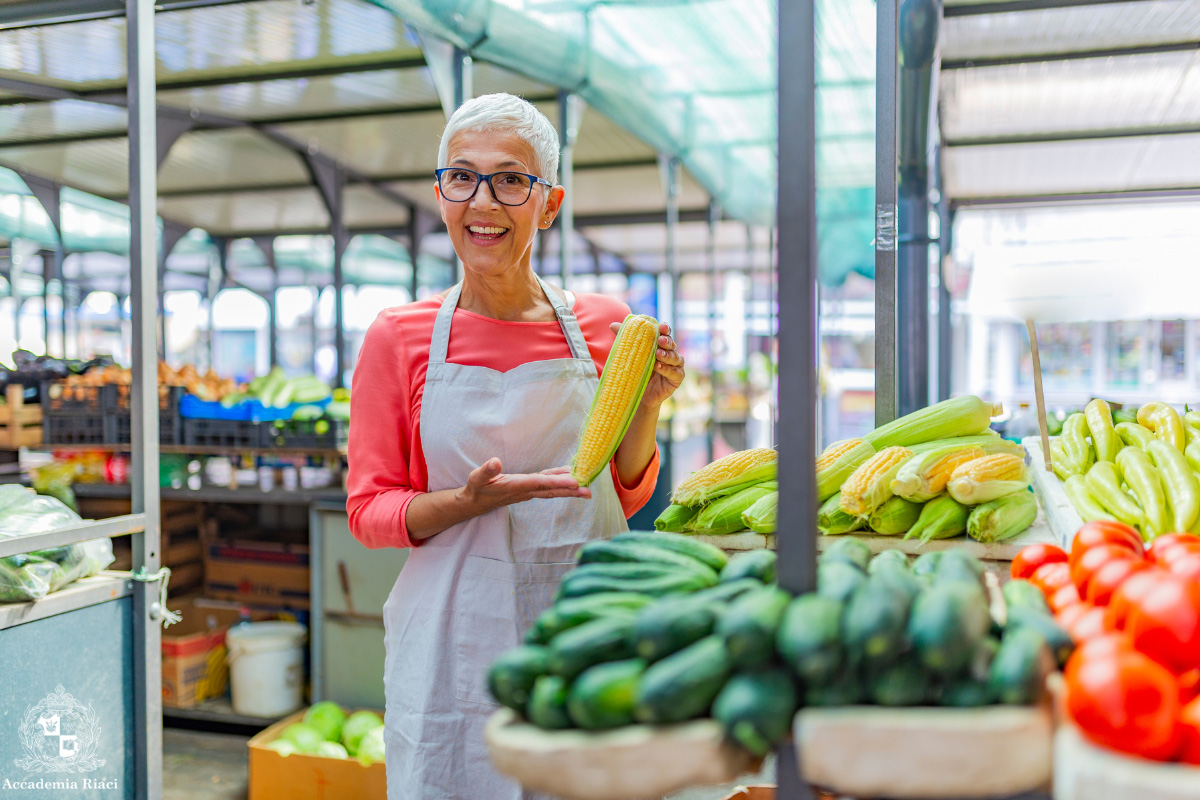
481	178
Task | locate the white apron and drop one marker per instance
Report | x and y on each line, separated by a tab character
470	592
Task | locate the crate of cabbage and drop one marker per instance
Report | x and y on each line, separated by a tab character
322	753
918	681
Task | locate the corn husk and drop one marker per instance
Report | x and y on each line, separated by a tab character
1002	518
832	521
725	515
941	518
894	517
674	519
761	516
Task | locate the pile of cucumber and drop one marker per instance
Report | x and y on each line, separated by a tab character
879	631
656	628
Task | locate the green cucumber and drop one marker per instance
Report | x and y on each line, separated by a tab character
604	695
837	580
1018	675
958	565
512	675
900	577
966	693
980	665
707	554
1023	593
724	593
755	709
573	612
758	564
625	570
847	689
885	559
602	552
548	703
683	685
1060	642
809	638
902	683
947	623
671	625
580	585
749	626
926	564
849	549
873	623
595	642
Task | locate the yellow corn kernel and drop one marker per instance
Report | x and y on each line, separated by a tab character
925	476
870	486
987	478
836	463
727	475
622	384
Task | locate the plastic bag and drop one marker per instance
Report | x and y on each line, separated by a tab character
33	575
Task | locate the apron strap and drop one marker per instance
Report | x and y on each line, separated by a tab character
439	345
569	325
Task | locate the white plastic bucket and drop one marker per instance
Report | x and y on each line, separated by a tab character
266	667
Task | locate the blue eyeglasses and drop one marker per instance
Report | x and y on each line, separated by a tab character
458	185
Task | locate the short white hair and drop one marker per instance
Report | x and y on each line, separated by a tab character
506	113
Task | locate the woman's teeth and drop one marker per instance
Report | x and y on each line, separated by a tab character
487	231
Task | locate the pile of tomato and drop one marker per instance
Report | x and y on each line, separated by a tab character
1133	682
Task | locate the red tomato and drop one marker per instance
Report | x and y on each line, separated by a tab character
1034	556
1089	625
1177	551
1109	577
1069	615
1189	721
1189	686
1106	646
1165	624
1064	596
1105	532
1050	577
1160	544
1186	566
1129	593
1125	702
1084	567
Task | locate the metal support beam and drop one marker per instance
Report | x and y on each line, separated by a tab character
886	103
1122	195
169	130
945	320
143	264
1011	6
796	209
267	245
55	12
1071	55
570	111
216	281
420	224
49	196
714	377
330	179
172	233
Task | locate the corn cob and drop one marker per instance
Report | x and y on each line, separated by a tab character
941	518
1002	518
958	416
1104	435
987	478
894	517
727	475
1079	453
674	519
724	515
622	384
1165	422
761	517
1138	471
831	520
1087	506
1105	485
1192	419
1183	494
1134	435
989	442
871	484
1059	462
836	464
924	476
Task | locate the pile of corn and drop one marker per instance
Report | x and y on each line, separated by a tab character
934	474
732	494
1141	471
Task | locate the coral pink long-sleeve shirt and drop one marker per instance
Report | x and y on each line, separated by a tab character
387	463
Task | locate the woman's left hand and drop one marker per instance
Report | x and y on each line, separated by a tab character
668	368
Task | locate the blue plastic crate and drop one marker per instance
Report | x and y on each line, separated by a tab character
192	407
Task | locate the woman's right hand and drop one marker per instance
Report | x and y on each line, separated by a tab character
489	487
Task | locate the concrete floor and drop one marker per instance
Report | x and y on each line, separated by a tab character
214	766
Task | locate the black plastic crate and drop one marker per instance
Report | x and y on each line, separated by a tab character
58	397
79	429
306	434
221	433
170	431
117	398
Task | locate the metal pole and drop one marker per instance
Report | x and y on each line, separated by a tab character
945	320
341	240
674	188
711	258
567	134
797	325
47	274
143	262
463	91
414	251
216	278
748	335
886	101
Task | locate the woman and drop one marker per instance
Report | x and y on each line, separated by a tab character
467	409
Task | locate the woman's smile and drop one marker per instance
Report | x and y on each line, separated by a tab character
484	235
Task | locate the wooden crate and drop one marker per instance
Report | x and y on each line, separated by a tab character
20	424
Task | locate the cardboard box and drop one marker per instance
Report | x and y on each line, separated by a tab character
266	573
193	655
301	777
